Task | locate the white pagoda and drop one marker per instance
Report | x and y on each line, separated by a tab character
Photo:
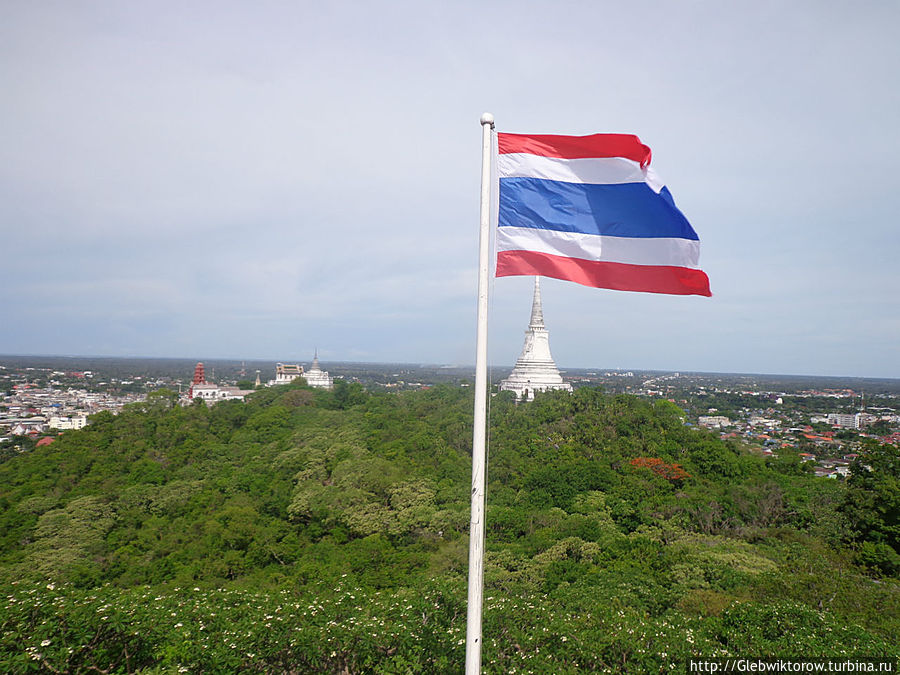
316	377
535	370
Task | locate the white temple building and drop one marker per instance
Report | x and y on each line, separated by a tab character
316	377
208	391
535	370
285	373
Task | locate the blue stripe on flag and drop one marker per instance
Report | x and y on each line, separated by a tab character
622	210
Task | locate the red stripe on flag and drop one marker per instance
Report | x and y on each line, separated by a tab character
599	274
576	147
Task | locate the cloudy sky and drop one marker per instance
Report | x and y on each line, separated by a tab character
258	179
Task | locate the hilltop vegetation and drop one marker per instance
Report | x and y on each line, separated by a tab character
312	531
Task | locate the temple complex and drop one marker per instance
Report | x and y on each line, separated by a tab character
535	369
208	391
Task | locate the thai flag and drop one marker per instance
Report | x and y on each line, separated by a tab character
589	209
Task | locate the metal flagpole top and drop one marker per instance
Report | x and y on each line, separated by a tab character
487	118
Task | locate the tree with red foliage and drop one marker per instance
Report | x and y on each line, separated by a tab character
668	471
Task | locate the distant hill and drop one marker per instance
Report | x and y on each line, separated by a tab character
315	531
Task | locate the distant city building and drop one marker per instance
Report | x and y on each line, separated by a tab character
32	426
535	369
67	422
851	421
846	421
864	419
714	421
757	421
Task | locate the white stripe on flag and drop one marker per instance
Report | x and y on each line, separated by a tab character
595	170
669	251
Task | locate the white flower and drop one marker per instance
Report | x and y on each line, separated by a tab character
44	643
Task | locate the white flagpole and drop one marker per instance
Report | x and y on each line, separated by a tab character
479	454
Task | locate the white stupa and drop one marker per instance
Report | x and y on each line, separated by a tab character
316	377
535	370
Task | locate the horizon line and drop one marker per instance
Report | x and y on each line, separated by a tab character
421	364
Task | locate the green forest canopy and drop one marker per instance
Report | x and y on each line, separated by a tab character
327	532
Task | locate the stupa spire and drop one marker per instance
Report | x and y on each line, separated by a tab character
537	309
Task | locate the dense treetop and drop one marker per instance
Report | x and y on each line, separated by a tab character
617	538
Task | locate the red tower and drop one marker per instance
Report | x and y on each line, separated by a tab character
199	378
